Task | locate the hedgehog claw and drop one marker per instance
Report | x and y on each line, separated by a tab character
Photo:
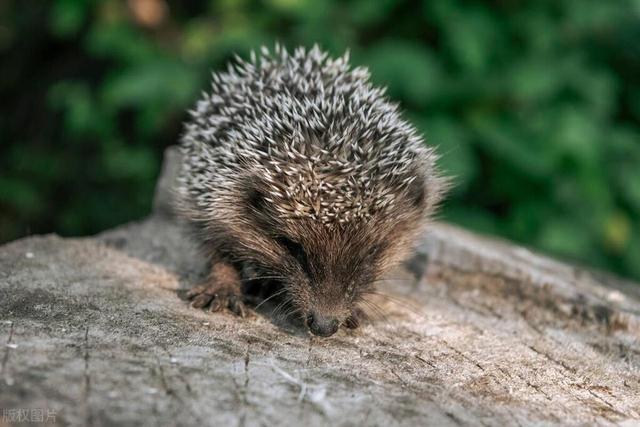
217	297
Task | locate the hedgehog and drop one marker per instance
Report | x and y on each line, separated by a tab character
297	167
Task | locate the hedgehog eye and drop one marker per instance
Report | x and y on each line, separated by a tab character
296	250
255	200
372	252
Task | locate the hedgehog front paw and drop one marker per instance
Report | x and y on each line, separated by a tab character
218	296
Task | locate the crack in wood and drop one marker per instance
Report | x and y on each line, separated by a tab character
159	372
425	361
402	381
524	314
579	386
163	380
453	418
464	356
604	401
536	387
514	418
7	350
87	379
177	372
308	363
247	360
555	361
241	390
485	312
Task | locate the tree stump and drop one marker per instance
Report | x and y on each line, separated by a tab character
472	331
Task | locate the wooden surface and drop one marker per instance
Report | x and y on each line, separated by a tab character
474	331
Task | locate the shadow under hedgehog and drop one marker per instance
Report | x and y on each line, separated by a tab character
296	167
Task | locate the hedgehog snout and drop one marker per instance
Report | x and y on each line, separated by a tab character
323	326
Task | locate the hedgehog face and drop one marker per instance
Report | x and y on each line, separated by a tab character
328	268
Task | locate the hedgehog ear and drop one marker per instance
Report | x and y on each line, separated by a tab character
417	193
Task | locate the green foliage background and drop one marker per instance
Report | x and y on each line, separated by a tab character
535	105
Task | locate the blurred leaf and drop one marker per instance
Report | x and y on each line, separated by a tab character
121	42
629	181
575	134
67	16
617	232
287	5
74	98
565	237
199	39
634	97
366	12
632	255
533	80
453	145
159	82
410	71
128	162
471	34
594	86
473	218
526	218
505	141
19	195
625	155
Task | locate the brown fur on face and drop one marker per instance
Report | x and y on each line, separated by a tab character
326	267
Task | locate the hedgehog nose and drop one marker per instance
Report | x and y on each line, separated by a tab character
321	325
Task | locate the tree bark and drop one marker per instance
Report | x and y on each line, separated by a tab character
472	331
